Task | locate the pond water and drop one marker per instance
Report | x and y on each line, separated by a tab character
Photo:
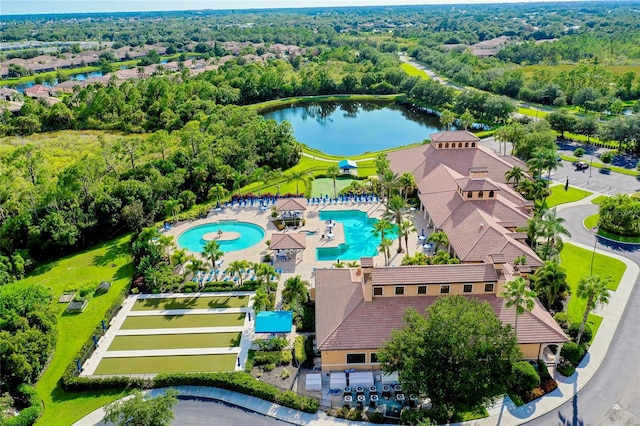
351	128
76	77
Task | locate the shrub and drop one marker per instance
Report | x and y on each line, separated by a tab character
272	357
572	352
269	367
189	287
579	152
29	415
566	368
299	349
562	318
606	157
587	334
285	374
525	377
543	371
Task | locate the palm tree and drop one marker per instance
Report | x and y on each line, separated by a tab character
439	239
595	290
212	251
447	118
553	229
389	182
405	228
179	257
298	176
196	267
397	211
519	295
295	293
384	248
333	171
238	179
217	191
544	159
237	267
443	258
172	207
275	175
551	280
381	228
407	183
512	132
264	272
516	174
260	300
258	175
382	163
466	119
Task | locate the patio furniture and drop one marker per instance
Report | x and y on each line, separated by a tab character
397	388
360	390
373	400
373	389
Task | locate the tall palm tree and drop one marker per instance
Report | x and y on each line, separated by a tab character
553	229
216	192
512	132
516	174
238	179
407	183
295	293
179	257
258	175
172	207
466	119
397	211
551	280
333	171
443	258
519	295
264	272
384	248
213	251
237	267
447	118
439	239
544	159
197	268
595	290
406	227
260	300
275	176
389	182
298	176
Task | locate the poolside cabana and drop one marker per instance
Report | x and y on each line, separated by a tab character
274	322
291	210
347	166
288	244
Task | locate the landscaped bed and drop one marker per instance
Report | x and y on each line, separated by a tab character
183	321
166	364
175	341
200	302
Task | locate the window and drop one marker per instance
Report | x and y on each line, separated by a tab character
491	194
399	291
374	358
466	144
467	288
444	289
377	291
422	289
473	144
459	144
446	145
469	194
439	145
488	287
480	194
356	358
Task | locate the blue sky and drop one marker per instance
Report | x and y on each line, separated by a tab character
11	7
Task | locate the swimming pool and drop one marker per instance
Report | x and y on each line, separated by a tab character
359	238
235	236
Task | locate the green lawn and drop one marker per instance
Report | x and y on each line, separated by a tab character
532	112
413	71
325	186
560	196
109	261
175	341
182	321
591	221
167	364
201	302
599	199
577	263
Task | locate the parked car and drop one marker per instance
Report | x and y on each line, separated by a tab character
581	165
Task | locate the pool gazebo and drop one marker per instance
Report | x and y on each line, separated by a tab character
291	210
288	243
347	166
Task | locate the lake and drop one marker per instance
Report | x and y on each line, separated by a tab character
350	128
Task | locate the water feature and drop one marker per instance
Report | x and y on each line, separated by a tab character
360	240
75	77
231	235
350	128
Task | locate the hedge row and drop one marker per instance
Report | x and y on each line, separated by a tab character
272	357
242	383
215	286
29	415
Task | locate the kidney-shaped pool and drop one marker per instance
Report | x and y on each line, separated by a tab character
231	235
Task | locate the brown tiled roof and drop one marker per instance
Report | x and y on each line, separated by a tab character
454	136
434	274
467	184
292	241
368	325
366	262
291	204
497	258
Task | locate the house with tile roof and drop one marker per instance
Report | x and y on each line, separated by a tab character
463	192
358	308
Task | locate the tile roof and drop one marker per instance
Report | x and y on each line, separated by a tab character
434	274
291	204
292	241
468	184
454	136
346	322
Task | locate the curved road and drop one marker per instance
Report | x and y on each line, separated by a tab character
612	396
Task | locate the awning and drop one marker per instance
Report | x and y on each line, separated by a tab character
313	382
347	164
361	378
388	378
274	322
337	380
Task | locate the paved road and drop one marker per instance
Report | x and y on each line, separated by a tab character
194	412
612	397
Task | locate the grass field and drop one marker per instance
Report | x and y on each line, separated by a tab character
325	186
201	302
599	199
166	364
577	263
175	341
591	221
560	196
183	321
413	71
106	262
615	69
